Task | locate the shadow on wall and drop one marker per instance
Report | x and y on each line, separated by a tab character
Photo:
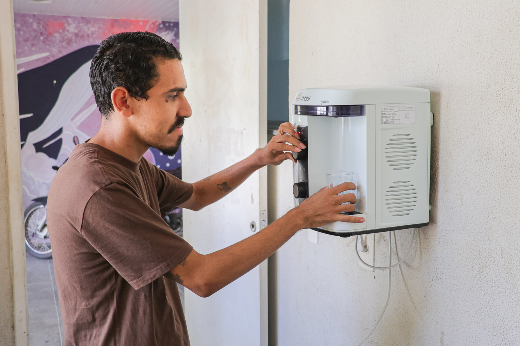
435	102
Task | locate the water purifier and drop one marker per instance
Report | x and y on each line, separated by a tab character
381	136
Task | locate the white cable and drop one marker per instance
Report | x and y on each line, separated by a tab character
395	243
371	266
389	283
383	268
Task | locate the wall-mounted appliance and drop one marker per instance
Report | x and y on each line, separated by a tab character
383	136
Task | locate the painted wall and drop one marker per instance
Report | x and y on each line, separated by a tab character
460	281
6	284
13	297
225	61
56	101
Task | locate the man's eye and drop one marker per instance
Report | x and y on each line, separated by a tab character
172	96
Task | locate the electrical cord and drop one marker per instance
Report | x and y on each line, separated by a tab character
389	281
383	268
371	266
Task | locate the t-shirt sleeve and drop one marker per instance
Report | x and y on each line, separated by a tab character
171	191
131	236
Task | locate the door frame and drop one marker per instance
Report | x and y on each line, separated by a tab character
11	139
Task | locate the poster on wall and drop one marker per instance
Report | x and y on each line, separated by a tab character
56	101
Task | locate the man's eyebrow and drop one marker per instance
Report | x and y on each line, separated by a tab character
173	90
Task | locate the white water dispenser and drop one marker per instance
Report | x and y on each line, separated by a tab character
382	135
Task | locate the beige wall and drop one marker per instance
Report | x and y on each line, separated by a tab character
6	284
13	297
225	58
460	283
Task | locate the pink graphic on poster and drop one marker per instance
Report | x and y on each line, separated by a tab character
56	101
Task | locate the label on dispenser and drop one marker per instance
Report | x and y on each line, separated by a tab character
397	114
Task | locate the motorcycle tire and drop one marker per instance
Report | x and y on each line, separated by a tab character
37	241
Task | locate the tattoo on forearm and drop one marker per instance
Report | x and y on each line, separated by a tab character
224	187
174	277
178	279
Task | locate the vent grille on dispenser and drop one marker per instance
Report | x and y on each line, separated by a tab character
401	152
401	198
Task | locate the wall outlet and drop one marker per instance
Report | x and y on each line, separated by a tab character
366	245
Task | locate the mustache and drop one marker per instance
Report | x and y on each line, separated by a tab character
178	123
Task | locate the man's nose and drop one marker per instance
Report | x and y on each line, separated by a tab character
185	110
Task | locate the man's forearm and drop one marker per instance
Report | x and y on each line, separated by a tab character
215	187
206	274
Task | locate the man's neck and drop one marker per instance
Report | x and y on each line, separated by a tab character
116	139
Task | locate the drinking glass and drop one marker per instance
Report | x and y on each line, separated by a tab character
337	178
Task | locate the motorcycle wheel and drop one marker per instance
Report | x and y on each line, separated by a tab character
37	239
175	222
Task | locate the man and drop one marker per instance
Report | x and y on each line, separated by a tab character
116	261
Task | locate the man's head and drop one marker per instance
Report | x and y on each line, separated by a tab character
138	75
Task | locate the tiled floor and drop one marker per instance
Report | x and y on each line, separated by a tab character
45	324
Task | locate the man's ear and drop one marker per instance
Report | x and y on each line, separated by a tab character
120	98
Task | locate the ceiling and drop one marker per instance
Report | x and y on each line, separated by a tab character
164	10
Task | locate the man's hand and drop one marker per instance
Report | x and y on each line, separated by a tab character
326	206
213	188
206	274
281	146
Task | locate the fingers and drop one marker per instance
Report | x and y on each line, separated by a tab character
285	147
339	203
352	219
346	208
288	128
280	156
288	139
288	156
284	156
347	198
343	187
286	134
325	206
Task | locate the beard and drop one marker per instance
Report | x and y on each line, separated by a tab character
170	151
179	122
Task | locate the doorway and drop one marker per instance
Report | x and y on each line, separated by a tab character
55	41
277	113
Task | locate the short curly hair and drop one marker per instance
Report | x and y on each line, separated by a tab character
127	60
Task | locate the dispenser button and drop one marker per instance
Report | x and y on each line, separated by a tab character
300	190
303	134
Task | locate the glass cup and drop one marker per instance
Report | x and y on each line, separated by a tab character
337	178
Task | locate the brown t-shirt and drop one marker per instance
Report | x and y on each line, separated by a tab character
111	249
